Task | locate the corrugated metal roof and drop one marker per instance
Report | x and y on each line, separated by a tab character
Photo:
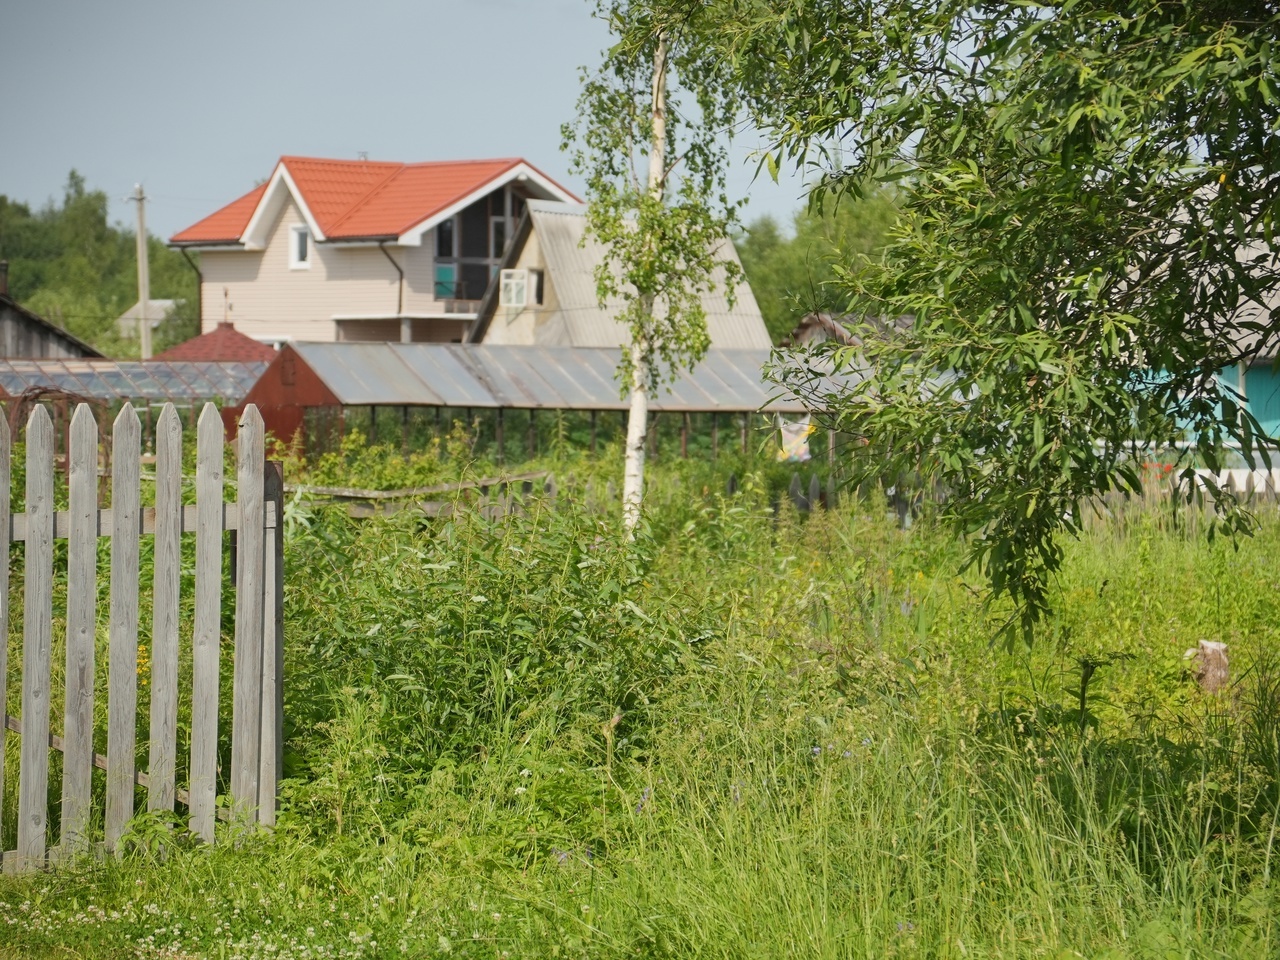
580	321
554	378
133	380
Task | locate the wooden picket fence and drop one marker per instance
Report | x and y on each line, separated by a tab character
257	687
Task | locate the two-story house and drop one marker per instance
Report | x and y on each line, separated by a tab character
361	250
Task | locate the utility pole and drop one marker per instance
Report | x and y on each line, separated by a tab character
144	275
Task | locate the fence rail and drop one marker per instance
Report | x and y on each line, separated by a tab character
254	518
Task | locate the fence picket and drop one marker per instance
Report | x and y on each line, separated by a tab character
122	696
82	594
207	634
162	758
37	637
246	717
272	757
6	474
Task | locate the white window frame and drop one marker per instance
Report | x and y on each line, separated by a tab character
294	262
513	288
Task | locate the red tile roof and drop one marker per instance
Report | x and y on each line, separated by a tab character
352	199
223	342
225	225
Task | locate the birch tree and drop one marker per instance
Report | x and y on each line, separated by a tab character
656	197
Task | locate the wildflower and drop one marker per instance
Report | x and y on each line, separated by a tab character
644	798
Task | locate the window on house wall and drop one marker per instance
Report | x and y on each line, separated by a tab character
444	240
535	287
514	289
497	237
299	248
446	281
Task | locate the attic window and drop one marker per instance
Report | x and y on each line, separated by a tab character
514	289
299	248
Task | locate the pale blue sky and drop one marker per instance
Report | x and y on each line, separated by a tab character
196	101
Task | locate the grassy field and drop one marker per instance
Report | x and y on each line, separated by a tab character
745	735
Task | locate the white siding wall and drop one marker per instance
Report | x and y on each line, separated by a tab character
271	300
419	265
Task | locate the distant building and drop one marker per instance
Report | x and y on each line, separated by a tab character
331	250
157	312
26	335
546	294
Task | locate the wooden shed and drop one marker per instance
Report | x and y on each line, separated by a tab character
27	335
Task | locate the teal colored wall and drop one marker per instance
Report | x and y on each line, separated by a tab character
1262	387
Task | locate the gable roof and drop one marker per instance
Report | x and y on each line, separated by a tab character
223	343
578	319
16	315
364	199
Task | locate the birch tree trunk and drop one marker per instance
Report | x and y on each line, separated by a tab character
638	415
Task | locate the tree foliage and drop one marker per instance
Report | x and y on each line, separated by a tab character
69	265
1090	195
797	275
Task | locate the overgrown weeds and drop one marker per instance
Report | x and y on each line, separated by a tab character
746	734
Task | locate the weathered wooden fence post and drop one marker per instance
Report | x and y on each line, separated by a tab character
6	474
37	637
82	592
246	719
122	675
207	632
272	758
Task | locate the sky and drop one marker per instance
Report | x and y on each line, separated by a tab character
197	101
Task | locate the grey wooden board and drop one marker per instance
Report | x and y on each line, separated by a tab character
207	631
6	474
146	521
122	697
272	758
33	776
246	710
162	758
82	594
14	725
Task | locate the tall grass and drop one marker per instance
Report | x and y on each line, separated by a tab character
748	734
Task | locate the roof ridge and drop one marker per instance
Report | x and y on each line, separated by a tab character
441	163
371	163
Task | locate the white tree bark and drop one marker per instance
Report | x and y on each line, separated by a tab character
637	432
638	415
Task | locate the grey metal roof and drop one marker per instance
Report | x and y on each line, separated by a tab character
487	376
578	319
134	379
